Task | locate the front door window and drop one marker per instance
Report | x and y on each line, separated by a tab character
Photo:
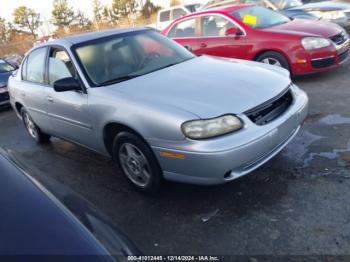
60	66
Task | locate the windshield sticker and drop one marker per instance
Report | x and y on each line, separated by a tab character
250	19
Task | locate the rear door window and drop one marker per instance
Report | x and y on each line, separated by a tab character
35	66
186	28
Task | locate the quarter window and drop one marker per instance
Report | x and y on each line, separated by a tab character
185	28
214	25
60	66
35	66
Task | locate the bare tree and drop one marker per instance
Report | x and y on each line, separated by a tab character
123	8
148	9
81	21
97	10
5	30
27	19
175	2
62	13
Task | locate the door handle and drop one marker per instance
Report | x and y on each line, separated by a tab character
50	99
203	45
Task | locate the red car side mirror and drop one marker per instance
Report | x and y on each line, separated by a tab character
232	31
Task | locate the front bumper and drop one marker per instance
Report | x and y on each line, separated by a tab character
219	160
319	60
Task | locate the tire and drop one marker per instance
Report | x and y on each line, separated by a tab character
33	130
135	159
274	56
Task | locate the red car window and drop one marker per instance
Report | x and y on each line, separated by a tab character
186	28
152	46
214	25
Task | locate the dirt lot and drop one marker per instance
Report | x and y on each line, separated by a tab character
297	204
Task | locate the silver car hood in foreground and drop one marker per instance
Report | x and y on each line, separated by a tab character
209	87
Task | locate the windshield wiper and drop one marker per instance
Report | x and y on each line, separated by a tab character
128	77
280	23
118	80
169	65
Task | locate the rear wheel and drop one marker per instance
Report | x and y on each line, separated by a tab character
273	58
33	130
138	164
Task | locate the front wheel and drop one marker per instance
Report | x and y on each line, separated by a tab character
138	164
273	58
33	130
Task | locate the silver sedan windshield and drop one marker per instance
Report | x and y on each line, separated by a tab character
122	57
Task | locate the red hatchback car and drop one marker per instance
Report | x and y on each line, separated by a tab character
256	33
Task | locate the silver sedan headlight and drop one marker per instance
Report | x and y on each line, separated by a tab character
312	42
206	128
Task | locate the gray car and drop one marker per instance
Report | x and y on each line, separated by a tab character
331	11
159	111
6	70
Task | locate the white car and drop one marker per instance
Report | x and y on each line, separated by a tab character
166	16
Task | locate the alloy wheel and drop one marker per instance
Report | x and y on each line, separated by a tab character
271	61
135	165
30	126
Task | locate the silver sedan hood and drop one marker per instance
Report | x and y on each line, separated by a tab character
208	86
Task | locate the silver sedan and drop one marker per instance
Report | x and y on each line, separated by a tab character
159	111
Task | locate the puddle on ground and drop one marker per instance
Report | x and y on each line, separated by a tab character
335	119
329	155
299	149
300	146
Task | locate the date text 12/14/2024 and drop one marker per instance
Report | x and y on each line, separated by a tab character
173	258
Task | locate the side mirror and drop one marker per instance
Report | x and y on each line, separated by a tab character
232	31
67	84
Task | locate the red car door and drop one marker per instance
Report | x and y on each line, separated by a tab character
186	33
215	41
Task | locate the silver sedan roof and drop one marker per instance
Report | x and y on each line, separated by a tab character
85	37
